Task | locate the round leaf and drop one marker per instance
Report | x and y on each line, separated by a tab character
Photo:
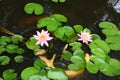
28	72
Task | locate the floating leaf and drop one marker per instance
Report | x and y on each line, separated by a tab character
33	7
18	59
62	1
20	51
55	1
1	78
31	44
58	1
12	48
57	74
103	45
78	28
107	25
59	17
35	77
4	60
73	37
114	46
28	72
38	77
2	49
79	53
99	62
4	40
113	39
51	23
109	28
16	39
99	53
9	74
75	45
95	36
64	32
39	64
92	68
109	32
66	55
112	69
78	63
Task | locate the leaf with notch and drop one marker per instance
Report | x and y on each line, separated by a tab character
31	44
4	60
75	45
66	55
57	74
33	7
78	28
99	53
103	45
79	53
59	17
78	63
9	74
28	72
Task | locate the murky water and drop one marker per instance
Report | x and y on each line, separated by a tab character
85	12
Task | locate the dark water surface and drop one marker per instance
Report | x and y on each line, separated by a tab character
85	12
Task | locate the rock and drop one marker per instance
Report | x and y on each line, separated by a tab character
115	4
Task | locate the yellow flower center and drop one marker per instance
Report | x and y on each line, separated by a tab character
86	36
42	36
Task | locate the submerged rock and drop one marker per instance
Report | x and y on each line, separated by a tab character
115	4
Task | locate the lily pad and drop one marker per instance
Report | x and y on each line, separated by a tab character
31	44
34	7
9	74
57	74
28	72
78	63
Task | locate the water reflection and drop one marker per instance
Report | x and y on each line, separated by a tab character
85	12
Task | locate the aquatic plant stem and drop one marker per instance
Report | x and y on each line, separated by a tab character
4	30
50	62
69	73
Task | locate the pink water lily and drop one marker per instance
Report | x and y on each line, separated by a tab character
43	38
85	37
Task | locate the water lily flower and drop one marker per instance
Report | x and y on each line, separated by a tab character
42	38
85	37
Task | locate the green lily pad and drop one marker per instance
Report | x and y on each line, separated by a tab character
12	48
34	7
63	32
18	59
99	53
4	40
66	55
28	72
92	68
51	23
78	63
39	64
4	60
31	44
59	17
112	69
9	74
79	53
75	45
78	28
57	74
16	39
2	49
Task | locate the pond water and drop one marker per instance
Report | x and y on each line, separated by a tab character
85	12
